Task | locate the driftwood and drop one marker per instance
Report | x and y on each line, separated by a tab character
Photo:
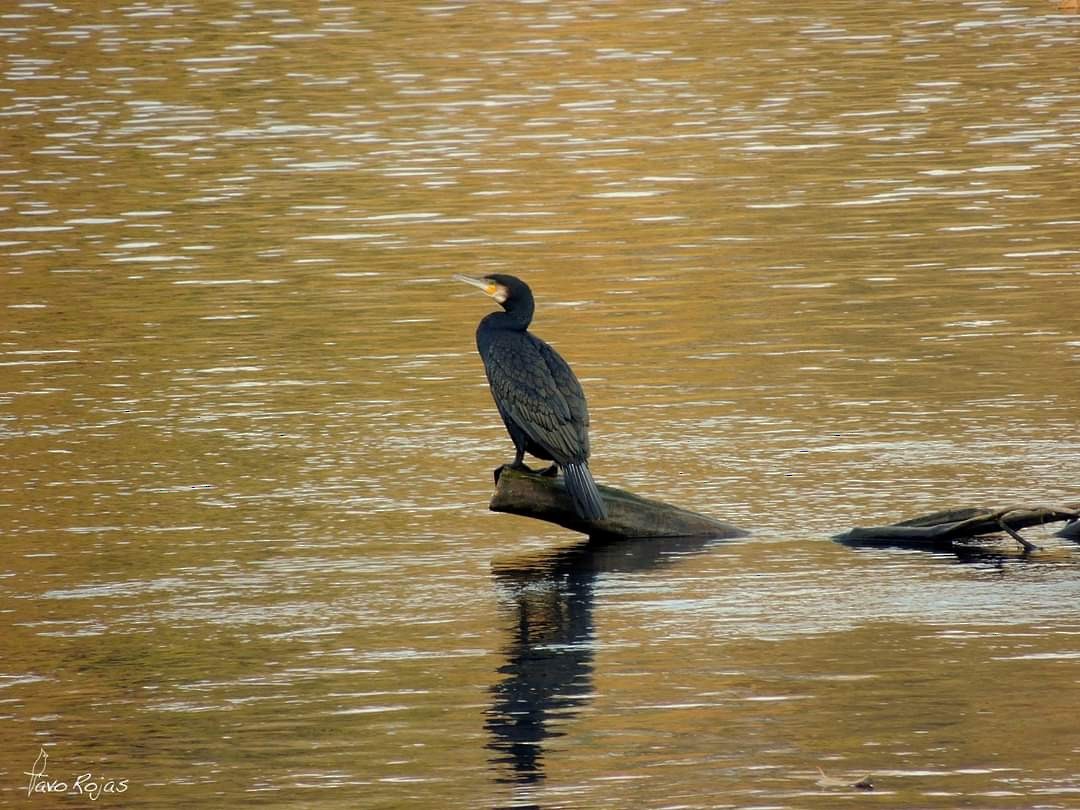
629	516
942	529
1072	531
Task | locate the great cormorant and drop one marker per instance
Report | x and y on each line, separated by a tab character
538	397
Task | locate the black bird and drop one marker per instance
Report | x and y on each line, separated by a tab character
538	397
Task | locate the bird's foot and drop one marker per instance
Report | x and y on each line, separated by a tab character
521	466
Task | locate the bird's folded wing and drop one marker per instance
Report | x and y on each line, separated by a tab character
568	385
524	386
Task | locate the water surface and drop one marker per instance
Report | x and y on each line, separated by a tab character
815	264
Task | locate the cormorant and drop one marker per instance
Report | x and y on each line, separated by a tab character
538	397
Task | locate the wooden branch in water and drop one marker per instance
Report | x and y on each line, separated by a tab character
942	529
629	515
1071	531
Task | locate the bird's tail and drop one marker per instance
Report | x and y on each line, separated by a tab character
579	483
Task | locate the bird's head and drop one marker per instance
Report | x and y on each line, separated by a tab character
502	288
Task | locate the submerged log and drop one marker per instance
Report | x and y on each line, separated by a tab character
942	529
629	515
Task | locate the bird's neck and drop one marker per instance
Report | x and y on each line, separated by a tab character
515	319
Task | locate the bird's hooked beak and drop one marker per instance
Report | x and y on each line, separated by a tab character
496	291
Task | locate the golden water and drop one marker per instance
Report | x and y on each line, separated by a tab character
816	265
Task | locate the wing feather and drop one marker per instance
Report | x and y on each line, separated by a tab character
535	387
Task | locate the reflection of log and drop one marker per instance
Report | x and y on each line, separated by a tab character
629	515
943	528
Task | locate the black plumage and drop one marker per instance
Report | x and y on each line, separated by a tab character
538	396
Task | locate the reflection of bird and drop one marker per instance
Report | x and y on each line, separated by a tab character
538	396
547	676
550	658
